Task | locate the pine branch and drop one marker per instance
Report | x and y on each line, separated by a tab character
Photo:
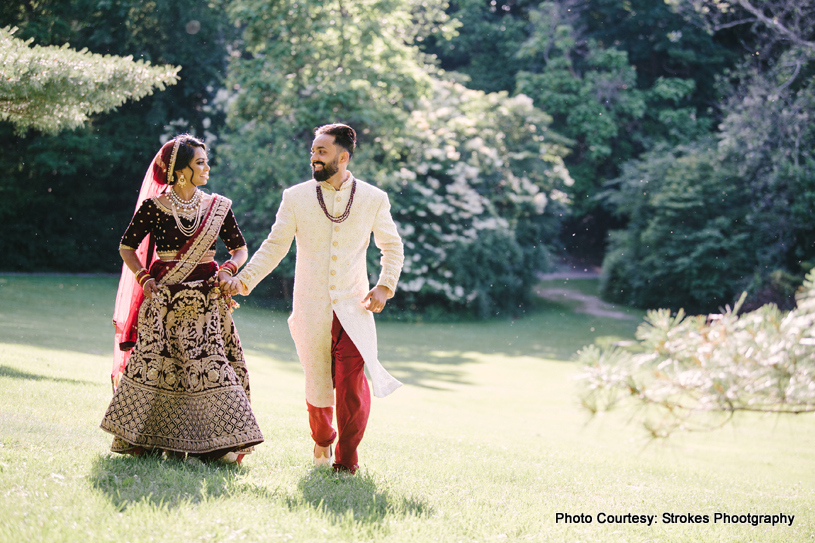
55	88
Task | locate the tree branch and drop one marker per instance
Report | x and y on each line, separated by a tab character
781	29
731	24
789	81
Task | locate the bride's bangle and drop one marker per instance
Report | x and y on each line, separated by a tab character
229	267
141	274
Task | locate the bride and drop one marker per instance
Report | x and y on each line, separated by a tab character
179	377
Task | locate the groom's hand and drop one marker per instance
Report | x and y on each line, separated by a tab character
376	299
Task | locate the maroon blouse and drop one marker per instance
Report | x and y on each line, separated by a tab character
156	219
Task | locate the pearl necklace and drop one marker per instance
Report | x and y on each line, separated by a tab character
191	208
185	205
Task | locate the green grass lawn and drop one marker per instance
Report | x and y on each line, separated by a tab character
485	442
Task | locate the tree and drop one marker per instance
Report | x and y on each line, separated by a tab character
52	89
777	24
696	373
482	54
618	78
54	187
474	178
478	197
299	66
759	181
684	244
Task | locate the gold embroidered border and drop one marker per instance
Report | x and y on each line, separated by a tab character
201	243
169	256
142	415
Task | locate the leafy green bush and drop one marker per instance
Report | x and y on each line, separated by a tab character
709	219
688	232
479	200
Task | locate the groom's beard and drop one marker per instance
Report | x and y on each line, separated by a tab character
327	170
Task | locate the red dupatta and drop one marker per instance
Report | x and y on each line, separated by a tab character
130	293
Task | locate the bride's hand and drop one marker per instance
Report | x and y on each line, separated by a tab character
150	288
230	286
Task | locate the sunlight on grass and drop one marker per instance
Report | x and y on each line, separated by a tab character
485	442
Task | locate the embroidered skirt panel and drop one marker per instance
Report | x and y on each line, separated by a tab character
186	385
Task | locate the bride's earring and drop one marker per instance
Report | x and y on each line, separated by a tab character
181	181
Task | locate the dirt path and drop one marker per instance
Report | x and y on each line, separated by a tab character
588	303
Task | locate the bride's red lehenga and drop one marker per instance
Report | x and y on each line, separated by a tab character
179	376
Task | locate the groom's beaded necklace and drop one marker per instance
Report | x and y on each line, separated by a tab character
344	216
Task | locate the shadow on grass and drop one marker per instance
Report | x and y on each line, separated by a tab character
126	481
355	499
435	355
6	371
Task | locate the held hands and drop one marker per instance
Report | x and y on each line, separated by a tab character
229	285
376	299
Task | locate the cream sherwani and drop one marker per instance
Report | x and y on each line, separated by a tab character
331	275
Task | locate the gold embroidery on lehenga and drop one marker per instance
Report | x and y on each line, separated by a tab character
180	368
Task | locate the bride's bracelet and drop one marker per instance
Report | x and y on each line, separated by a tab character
229	267
142	276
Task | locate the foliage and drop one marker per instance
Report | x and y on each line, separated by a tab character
684	245
762	167
777	24
482	55
618	78
65	200
478	199
595	95
691	367
300	66
768	135
469	174
52	89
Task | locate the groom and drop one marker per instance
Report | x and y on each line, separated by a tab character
331	217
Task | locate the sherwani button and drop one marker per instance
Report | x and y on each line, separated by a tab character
335	244
333	272
336	229
333	301
334	257
339	199
333	287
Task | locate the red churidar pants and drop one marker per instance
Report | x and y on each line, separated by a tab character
353	398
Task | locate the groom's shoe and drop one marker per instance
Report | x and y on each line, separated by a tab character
339	468
325	457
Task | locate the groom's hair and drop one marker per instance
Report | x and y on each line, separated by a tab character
344	136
